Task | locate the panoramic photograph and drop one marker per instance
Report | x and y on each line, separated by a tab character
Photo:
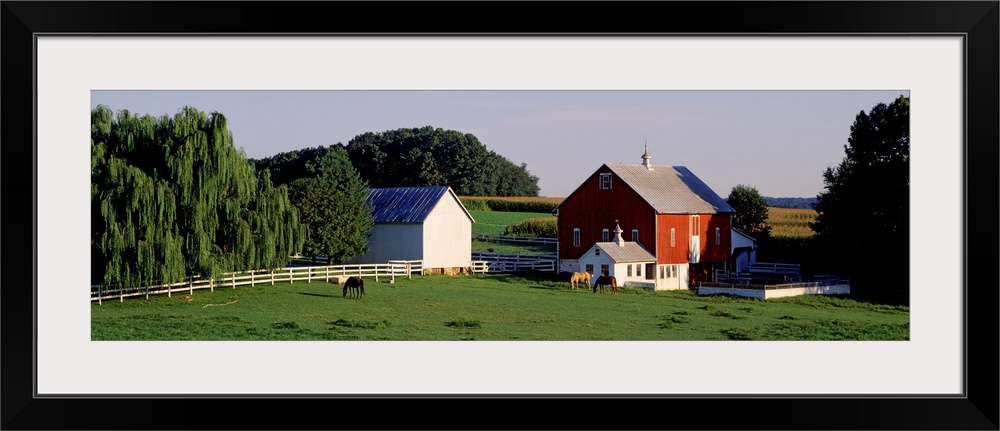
453	215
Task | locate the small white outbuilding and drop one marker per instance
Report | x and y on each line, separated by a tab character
420	223
628	261
744	251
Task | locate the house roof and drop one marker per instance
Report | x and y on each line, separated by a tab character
629	251
744	235
408	204
671	189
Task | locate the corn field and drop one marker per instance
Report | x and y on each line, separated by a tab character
791	222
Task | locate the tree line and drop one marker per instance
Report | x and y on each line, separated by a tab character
862	223
424	156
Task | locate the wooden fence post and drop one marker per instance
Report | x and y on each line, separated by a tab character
272	277
290	278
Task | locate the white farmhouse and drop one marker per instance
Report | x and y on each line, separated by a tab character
420	223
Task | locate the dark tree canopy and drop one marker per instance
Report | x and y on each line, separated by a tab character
173	198
751	211
863	213
289	166
430	156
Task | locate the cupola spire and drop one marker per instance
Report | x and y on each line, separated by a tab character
618	235
646	157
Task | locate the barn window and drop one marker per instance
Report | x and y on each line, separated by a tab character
718	236
661	271
638	270
604	270
673	237
650	271
604	235
576	237
597	252
605	182
635	235
590	268
629	269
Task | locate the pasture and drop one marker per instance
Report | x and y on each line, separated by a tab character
487	307
494	223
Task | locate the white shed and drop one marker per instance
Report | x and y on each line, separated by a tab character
744	251
420	223
631	265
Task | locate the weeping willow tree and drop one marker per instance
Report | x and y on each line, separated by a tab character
173	198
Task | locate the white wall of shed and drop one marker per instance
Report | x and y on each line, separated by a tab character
447	234
394	241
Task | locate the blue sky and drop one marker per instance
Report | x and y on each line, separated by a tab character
777	141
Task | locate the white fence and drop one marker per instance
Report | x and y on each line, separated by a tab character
825	287
503	262
519	239
389	270
774	268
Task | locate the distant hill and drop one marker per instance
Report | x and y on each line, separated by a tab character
806	203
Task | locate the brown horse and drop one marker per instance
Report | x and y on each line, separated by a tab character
606	280
356	285
578	277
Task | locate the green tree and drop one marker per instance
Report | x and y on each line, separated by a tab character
331	200
863	213
751	211
173	198
430	156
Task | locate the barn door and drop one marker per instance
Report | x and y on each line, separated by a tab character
695	251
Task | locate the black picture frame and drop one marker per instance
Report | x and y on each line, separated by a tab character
976	21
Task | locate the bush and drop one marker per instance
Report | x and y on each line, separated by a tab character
543	227
474	204
521	206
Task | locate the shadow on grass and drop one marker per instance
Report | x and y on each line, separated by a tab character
319	294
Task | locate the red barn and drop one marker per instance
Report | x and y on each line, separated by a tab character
667	210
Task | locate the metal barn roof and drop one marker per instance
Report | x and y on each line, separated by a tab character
627	252
407	204
671	189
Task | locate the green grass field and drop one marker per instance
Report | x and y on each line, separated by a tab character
494	222
487	307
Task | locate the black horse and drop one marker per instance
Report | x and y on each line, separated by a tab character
356	285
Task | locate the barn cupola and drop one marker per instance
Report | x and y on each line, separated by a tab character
645	159
618	235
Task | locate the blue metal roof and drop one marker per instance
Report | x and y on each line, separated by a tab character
404	204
